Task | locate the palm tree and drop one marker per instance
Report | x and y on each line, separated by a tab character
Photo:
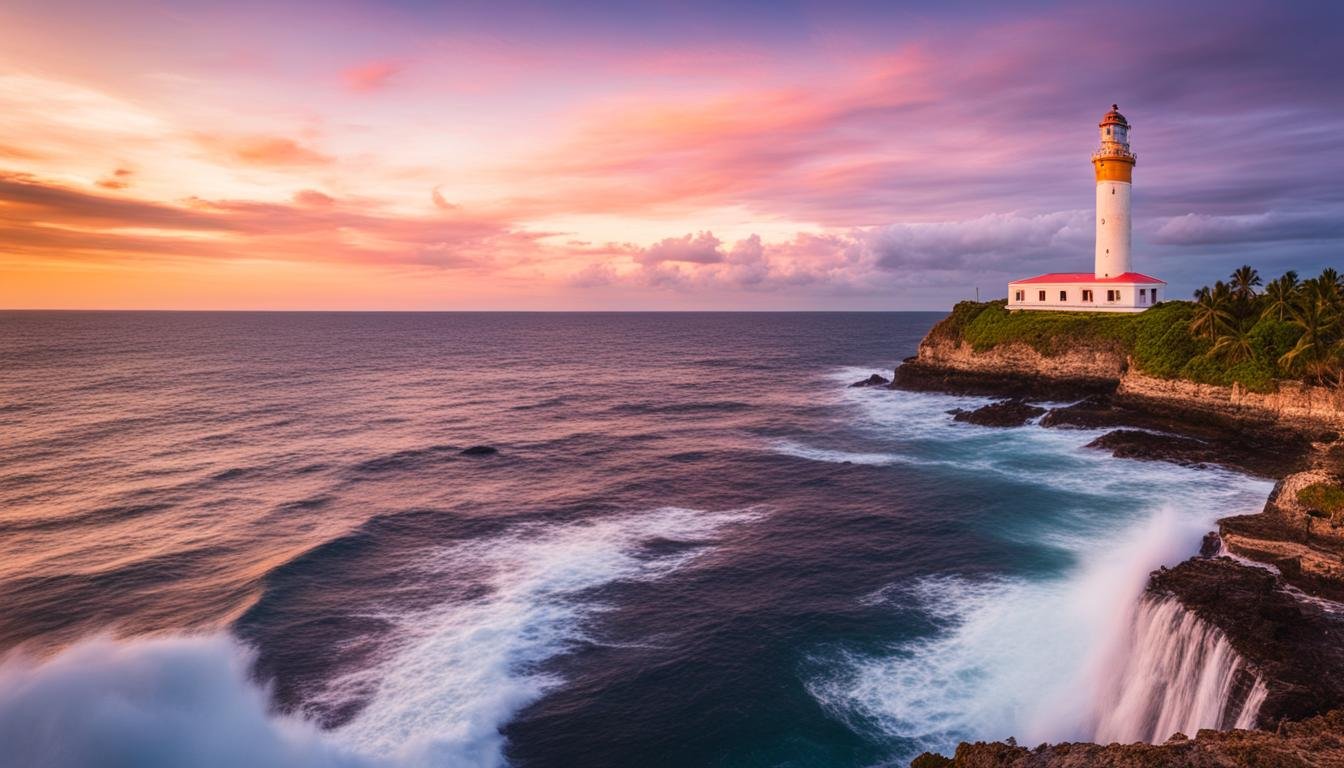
1280	293
1329	275
1234	343
1245	279
1319	347
1212	311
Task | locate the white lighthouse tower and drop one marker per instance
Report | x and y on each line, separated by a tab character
1114	164
1112	285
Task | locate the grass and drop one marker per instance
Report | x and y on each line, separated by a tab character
1325	498
1158	341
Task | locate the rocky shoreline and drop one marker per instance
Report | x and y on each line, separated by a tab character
1270	582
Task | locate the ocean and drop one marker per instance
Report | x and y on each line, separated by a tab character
254	539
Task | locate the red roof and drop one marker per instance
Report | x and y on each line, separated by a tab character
1087	277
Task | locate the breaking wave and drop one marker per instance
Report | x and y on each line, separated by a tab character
438	695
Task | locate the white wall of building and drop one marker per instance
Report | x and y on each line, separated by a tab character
1131	297
1114	232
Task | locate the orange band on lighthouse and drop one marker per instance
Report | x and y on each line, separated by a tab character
1114	169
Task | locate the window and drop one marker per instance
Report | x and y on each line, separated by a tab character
1040	295
1063	295
1143	295
1154	295
1020	296
1087	295
1112	295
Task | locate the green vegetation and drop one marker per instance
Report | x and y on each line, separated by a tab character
1322	499
1231	333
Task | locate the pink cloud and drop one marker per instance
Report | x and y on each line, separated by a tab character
311	198
440	201
370	76
699	249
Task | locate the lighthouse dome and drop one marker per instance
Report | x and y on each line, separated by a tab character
1113	117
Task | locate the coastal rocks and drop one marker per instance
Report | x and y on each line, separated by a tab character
1211	545
1156	446
876	380
1092	412
1306	547
1296	646
1180	437
1313	743
1005	413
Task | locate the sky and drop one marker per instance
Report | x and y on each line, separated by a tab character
415	155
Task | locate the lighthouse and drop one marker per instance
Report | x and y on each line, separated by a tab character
1114	164
1112	285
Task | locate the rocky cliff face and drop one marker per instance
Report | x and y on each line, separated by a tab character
1078	363
1294	406
948	364
953	366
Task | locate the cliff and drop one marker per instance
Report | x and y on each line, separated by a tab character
945	364
1068	359
1293	405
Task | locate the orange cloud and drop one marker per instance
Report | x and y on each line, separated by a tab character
119	179
311	198
41	218
264	150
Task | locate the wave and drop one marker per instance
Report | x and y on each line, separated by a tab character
1014	657
152	703
460	671
437	693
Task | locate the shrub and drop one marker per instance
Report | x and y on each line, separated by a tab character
1322	497
1049	333
1163	345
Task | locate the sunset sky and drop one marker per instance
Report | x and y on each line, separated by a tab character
774	155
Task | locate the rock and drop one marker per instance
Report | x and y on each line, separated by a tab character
1094	412
1153	446
1005	413
480	450
1296	645
876	380
1211	545
1163	439
1308	551
1312	743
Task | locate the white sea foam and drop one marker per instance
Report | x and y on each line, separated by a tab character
1021	656
460	671
442	690
151	703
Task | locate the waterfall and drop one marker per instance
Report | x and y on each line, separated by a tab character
1175	673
